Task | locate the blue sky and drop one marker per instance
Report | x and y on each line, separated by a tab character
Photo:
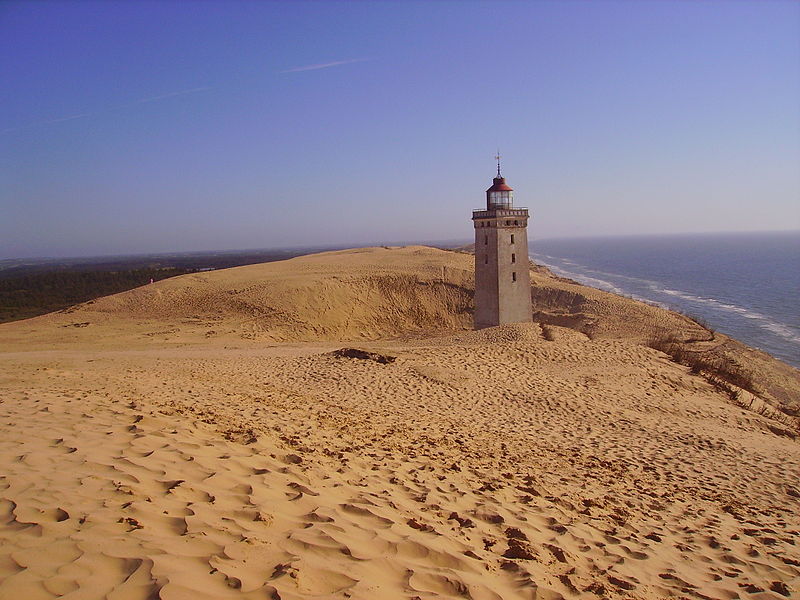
133	127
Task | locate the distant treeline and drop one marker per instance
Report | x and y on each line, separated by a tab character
26	296
39	287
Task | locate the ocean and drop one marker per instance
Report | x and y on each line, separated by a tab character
745	285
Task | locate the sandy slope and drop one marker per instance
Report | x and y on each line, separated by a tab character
201	438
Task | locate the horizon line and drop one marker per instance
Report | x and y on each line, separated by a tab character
410	242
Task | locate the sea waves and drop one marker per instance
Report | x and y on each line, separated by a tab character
660	294
581	276
780	329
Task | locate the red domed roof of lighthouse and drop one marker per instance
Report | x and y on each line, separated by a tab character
499	185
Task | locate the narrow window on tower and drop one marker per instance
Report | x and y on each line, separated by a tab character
485	240
513	258
486	259
514	276
512	238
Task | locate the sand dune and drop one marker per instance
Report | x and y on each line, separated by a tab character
204	437
355	294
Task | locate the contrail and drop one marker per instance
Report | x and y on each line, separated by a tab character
335	63
171	94
117	107
58	120
65	118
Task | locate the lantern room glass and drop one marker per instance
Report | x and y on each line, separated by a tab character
501	199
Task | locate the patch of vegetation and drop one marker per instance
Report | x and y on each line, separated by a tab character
27	296
701	323
31	287
720	370
730	378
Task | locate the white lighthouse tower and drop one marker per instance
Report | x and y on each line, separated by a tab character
502	278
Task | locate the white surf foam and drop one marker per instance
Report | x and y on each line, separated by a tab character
595	282
777	328
780	329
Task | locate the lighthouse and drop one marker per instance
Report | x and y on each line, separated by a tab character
502	278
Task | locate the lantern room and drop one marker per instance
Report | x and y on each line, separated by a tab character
500	195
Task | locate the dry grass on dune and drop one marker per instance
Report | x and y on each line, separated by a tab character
188	443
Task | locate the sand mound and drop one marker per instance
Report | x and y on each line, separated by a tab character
355	294
368	293
383	293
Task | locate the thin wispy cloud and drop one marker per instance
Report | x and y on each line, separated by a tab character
105	110
47	122
69	118
336	63
173	94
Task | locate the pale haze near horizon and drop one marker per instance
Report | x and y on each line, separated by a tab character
156	127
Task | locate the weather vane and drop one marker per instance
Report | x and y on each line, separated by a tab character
497	158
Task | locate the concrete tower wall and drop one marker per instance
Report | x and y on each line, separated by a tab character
487	297
502	277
